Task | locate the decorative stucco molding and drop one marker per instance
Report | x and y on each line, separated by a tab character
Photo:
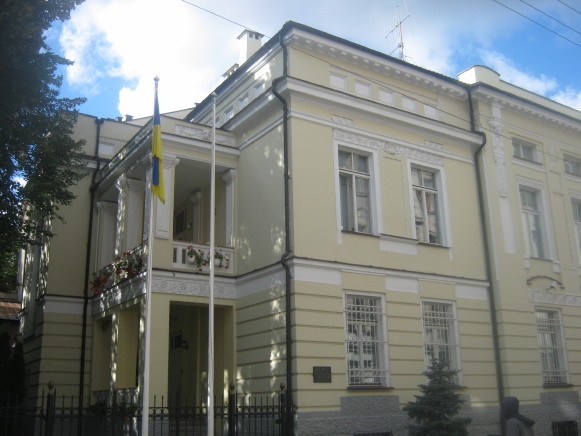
387	147
433	145
554	298
190	287
342	120
203	134
126	291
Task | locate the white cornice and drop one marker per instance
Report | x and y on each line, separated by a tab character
384	65
527	109
342	102
194	144
387	272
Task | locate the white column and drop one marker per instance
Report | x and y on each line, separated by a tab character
121	186
163	211
196	199
228	177
105	247
133	215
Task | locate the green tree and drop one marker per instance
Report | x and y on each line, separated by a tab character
434	411
35	129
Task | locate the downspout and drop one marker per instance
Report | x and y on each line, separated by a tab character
99	122
487	252
289	425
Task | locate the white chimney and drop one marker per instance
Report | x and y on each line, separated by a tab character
250	43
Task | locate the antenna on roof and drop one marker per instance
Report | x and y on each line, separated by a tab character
399	29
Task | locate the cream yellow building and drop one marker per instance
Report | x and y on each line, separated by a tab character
370	215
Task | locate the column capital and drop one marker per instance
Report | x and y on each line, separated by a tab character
228	175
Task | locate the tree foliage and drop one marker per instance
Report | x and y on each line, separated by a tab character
35	128
434	411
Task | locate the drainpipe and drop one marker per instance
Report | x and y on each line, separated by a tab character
99	122
289	425
487	253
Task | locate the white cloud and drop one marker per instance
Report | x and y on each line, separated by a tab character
510	73
135	40
570	97
189	49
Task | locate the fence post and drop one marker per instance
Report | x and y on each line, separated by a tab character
232	410
113	412
178	410
283	410
50	404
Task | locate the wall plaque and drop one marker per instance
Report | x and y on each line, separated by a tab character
321	374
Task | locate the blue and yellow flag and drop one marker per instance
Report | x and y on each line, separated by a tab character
157	187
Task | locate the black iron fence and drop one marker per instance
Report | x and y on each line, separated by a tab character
235	415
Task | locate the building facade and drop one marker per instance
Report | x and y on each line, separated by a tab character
370	216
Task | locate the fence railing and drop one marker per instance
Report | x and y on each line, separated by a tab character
235	415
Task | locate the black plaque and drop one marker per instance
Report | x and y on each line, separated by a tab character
321	374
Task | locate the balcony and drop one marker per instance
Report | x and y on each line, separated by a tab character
130	264
196	258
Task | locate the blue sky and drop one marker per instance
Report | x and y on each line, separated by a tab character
119	46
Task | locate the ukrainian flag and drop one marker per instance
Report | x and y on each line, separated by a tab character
157	187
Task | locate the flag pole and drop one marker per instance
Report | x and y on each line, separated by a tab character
211	287
156	186
147	324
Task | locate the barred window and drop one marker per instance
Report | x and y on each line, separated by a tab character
365	343
551	346
440	337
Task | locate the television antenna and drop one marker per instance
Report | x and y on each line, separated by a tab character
398	30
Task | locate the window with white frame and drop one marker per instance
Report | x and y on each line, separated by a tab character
179	225
366	344
426	205
572	165
524	150
576	206
355	191
551	346
440	333
533	221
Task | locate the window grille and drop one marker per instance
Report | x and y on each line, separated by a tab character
565	428
551	346
366	345
440	340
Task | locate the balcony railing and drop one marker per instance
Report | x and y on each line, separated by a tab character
130	264
196	257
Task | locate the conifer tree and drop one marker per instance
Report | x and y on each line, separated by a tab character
35	129
434	411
